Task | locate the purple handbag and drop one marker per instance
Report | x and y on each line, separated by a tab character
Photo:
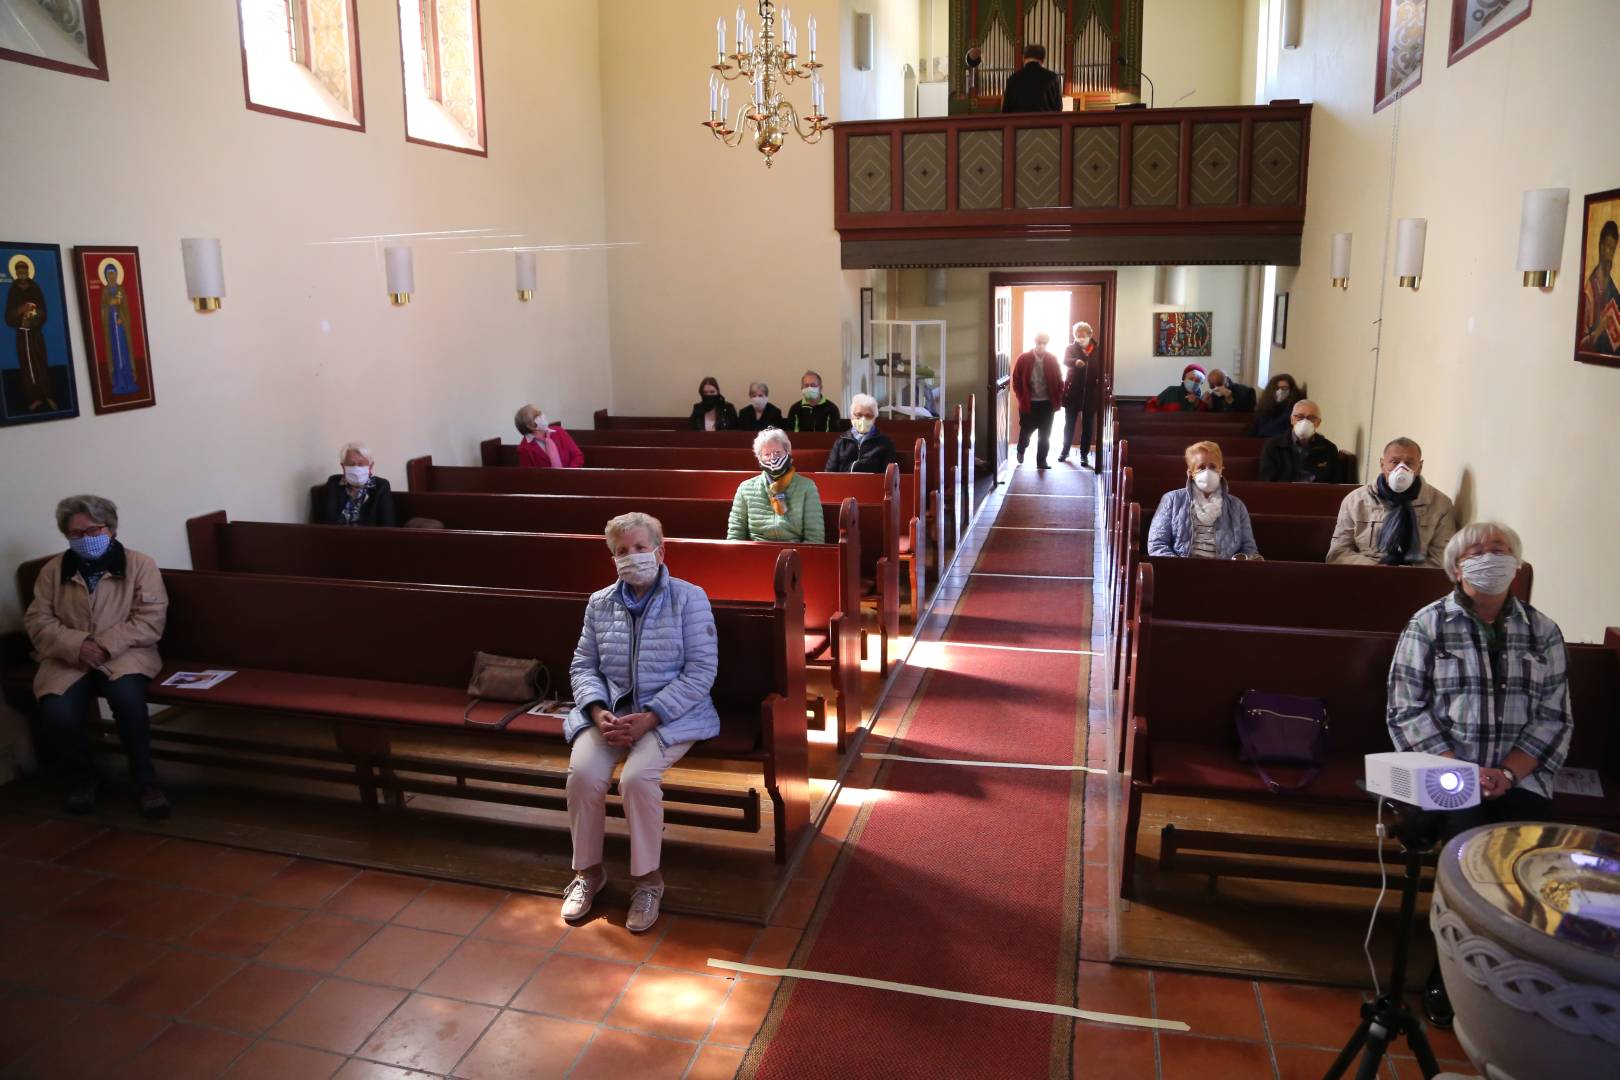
1279	729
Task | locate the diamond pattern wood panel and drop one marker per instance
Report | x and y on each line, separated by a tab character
1215	164
1037	168
978	170
1155	161
1096	167
1274	176
869	174
923	157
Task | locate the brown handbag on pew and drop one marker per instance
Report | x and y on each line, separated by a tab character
503	678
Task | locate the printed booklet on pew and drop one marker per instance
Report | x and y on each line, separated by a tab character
553	707
198	680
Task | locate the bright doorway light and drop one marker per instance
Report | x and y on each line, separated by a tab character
1046	311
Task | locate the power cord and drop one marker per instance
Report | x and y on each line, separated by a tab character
1383	887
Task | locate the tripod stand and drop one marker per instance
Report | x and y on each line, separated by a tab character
1386	1019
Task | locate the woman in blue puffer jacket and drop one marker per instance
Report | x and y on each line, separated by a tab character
641	677
1202	520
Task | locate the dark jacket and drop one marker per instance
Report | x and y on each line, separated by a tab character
872	454
1033	88
1282	460
748	419
1174	399
1080	383
725	414
1243	399
822	416
326	507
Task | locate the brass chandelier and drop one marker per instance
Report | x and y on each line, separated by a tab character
769	62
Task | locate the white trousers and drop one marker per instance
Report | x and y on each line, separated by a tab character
641	790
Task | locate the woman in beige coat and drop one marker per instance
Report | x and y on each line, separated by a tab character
95	623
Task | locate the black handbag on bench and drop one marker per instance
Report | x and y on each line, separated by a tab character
503	678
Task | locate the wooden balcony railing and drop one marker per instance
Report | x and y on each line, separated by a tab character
1132	186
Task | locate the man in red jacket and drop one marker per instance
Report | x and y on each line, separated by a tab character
1037	381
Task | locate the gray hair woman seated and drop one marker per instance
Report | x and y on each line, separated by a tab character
779	504
1202	520
355	496
645	711
95	622
759	413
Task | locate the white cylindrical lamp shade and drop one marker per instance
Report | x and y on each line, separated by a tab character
936	288
525	275
1170	286
1341	260
1541	235
1291	11
204	261
1410	236
401	274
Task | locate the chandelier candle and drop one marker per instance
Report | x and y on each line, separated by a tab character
770	66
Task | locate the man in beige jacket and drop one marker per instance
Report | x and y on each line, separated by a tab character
95	622
1397	520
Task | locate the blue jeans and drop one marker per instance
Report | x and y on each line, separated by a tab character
65	719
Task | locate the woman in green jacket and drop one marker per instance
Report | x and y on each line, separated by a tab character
778	505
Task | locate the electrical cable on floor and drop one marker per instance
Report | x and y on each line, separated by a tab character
1383	887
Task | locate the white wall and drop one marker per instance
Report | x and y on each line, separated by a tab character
1193	51
254	400
1474	366
896	29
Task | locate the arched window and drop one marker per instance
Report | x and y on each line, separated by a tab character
301	58
444	73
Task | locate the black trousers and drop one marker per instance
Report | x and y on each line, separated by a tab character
1082	414
1037	419
64	718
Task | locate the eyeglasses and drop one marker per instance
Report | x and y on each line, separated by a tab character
80	534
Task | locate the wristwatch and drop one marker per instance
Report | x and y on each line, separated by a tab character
1513	780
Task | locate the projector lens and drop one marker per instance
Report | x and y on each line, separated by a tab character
1450	781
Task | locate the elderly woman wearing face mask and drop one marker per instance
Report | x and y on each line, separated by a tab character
644	710
759	413
863	448
1202	520
1397	520
1275	406
1185	396
356	496
713	412
95	622
779	504
1483	677
545	444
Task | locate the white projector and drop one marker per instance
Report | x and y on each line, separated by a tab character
1427	781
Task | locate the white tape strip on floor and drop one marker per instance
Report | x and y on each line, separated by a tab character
951	995
1041	528
988	764
1001	648
1042	495
1033	577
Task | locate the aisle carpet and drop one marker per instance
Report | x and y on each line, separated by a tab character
958	877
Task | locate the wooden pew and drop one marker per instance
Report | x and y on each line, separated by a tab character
1280	537
1232	446
879	497
1137	421
292	643
1158	473
579	563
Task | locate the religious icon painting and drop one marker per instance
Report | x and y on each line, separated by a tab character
1597	327
112	302
36	351
1182	333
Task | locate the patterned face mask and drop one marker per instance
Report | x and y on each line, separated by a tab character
90	547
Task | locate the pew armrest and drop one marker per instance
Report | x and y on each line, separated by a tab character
1138	765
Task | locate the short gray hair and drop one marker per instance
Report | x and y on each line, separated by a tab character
359	448
761	387
634	520
524	417
863	401
770	436
810	374
99	510
1478	533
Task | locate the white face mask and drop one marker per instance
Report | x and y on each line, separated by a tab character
541	423
1303	430
812	393
760	402
355	475
1400	478
638	568
1491	574
1084	341
1190	385
1207	480
1282	394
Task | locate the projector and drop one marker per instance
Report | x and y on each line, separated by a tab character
1426	781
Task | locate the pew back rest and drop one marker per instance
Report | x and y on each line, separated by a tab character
1280	537
1232	446
1374	599
1152	478
1594	698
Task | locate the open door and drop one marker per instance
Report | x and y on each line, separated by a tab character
1000	388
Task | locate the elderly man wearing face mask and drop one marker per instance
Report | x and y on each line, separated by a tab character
1223	394
1300	455
1202	520
779	505
1482	676
1037	381
645	710
811	412
1398	519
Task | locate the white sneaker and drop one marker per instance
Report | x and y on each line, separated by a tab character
643	908
580	895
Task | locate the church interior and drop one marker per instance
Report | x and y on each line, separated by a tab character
1093	586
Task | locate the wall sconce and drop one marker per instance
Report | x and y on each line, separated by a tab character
401	274
525	275
1541	235
1341	260
935	291
205	272
1170	286
1410	235
1290	23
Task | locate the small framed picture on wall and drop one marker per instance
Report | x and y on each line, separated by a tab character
1476	22
1279	321
1597	327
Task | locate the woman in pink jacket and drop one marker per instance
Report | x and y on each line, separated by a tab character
545	444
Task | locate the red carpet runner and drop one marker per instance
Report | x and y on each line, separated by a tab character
960	878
